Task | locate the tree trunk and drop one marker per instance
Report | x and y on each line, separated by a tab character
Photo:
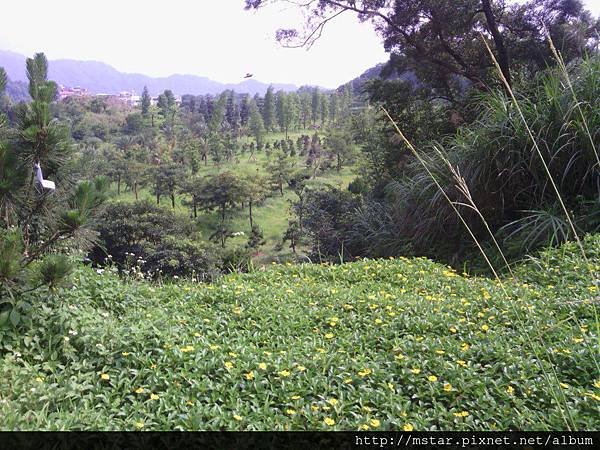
498	40
339	162
118	184
173	201
250	212
195	210
158	199
135	190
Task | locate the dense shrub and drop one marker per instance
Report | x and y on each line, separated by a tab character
495	160
155	240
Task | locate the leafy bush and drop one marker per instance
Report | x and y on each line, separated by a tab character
494	165
155	240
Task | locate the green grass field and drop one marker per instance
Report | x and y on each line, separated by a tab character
272	215
398	344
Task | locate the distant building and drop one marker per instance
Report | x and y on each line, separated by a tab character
66	92
130	97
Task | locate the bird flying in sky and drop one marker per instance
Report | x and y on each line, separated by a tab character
249	75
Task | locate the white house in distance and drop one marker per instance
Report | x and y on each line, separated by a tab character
129	97
66	92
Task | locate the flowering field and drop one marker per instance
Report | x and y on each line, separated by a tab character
375	345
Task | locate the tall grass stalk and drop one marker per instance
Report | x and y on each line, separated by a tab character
537	149
565	72
552	381
591	270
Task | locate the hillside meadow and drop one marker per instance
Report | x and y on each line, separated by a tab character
389	344
272	215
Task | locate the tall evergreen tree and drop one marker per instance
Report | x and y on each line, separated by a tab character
269	110
40	220
256	125
146	101
315	106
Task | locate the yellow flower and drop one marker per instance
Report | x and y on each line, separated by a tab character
592	395
228	365
440	352
484	327
186	349
300	368
461	362
367	409
314	407
329	336
447	387
374	423
262	366
329	421
332	401
285	373
296	397
249	375
139	391
365	372
237	417
378	321
125	353
597	384
464	346
139	425
408	427
348	381
415	370
154	397
105	376
577	340
453	330
290	411
363	427
461	414
233	355
432	378
510	390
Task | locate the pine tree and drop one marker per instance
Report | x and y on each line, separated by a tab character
40	221
269	110
315	105
256	124
146	102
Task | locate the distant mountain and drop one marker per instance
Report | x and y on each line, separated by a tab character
98	77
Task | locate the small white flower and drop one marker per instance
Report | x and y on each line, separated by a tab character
73	332
100	271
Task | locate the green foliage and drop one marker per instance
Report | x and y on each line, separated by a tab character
383	344
40	225
152	242
493	164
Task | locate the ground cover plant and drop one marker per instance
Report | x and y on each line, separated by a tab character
389	344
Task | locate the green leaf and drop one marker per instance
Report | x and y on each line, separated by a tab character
15	317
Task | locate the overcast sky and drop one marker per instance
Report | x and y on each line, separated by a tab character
212	38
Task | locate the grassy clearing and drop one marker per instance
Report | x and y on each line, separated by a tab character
272	215
382	344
